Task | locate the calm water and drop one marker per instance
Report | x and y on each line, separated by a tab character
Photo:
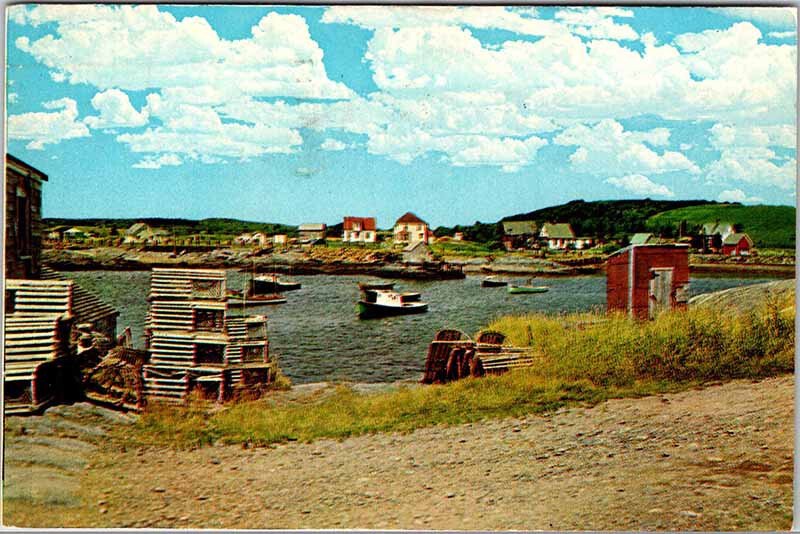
317	335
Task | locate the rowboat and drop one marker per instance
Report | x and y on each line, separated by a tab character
384	303
363	286
491	281
514	290
271	283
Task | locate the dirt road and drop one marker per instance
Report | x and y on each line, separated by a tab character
712	459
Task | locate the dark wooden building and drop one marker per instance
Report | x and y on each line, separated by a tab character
644	280
23	219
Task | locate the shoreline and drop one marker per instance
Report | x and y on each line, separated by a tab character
299	263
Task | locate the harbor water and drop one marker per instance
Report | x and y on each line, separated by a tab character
317	335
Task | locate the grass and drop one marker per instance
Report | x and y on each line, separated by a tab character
465	249
582	359
768	226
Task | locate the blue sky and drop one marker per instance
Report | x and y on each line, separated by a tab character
308	114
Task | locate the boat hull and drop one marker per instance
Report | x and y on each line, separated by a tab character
377	285
493	283
517	290
256	300
261	287
371	310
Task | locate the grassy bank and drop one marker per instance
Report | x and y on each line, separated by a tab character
582	358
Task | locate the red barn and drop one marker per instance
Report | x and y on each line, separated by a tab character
737	245
646	279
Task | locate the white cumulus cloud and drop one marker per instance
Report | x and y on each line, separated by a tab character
158	162
42	128
607	149
639	184
115	110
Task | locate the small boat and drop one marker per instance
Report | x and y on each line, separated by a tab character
383	303
237	298
363	286
271	283
514	290
491	281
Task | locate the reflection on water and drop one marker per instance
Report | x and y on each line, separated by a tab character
318	336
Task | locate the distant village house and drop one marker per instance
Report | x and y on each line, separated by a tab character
519	234
359	230
411	229
558	236
714	233
143	232
737	244
642	239
280	239
311	232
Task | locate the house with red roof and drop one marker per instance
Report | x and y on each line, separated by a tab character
411	229
359	230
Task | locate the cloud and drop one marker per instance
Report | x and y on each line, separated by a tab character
783	35
736	195
777	17
607	149
639	184
42	128
140	47
158	162
594	22
333	145
745	155
115	110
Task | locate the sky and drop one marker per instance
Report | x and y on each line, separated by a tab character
458	114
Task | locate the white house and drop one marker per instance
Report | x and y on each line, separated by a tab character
411	229
359	230
558	235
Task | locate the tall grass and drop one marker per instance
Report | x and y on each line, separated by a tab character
581	358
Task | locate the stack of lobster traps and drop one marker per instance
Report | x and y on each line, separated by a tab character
198	344
453	355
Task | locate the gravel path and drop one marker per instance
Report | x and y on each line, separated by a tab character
713	459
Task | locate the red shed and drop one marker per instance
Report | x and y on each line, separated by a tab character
645	279
737	245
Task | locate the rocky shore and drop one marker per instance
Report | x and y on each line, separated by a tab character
371	262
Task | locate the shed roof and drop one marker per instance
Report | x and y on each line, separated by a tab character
409	217
716	227
312	227
641	238
520	227
558	230
733	239
137	228
19	166
662	245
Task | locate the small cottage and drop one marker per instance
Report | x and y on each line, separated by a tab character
279	239
359	230
644	280
417	253
737	244
311	232
558	236
519	234
411	229
714	233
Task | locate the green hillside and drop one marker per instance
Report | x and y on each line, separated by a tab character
768	226
178	226
605	218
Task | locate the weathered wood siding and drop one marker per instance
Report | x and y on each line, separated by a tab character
23	219
630	271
